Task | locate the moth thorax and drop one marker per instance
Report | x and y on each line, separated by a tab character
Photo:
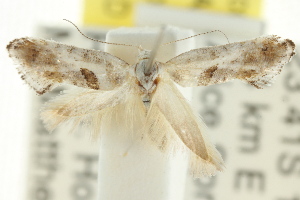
146	78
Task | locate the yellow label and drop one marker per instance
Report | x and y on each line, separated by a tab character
109	12
121	12
251	8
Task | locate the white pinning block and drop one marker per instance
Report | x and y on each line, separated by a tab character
129	168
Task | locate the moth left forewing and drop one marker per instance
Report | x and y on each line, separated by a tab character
256	62
45	64
175	126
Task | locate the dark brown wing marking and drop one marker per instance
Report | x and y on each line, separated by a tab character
44	64
255	61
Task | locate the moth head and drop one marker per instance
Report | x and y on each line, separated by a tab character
143	54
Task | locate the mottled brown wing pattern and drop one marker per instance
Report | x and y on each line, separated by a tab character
45	64
164	116
256	62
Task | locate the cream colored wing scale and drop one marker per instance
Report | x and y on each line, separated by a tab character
256	62
111	94
174	126
45	64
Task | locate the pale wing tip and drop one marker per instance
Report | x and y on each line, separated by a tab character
206	170
288	45
268	77
50	117
200	168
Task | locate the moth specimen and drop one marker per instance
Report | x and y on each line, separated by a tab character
143	97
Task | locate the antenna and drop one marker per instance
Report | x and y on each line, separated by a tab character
128	45
195	36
